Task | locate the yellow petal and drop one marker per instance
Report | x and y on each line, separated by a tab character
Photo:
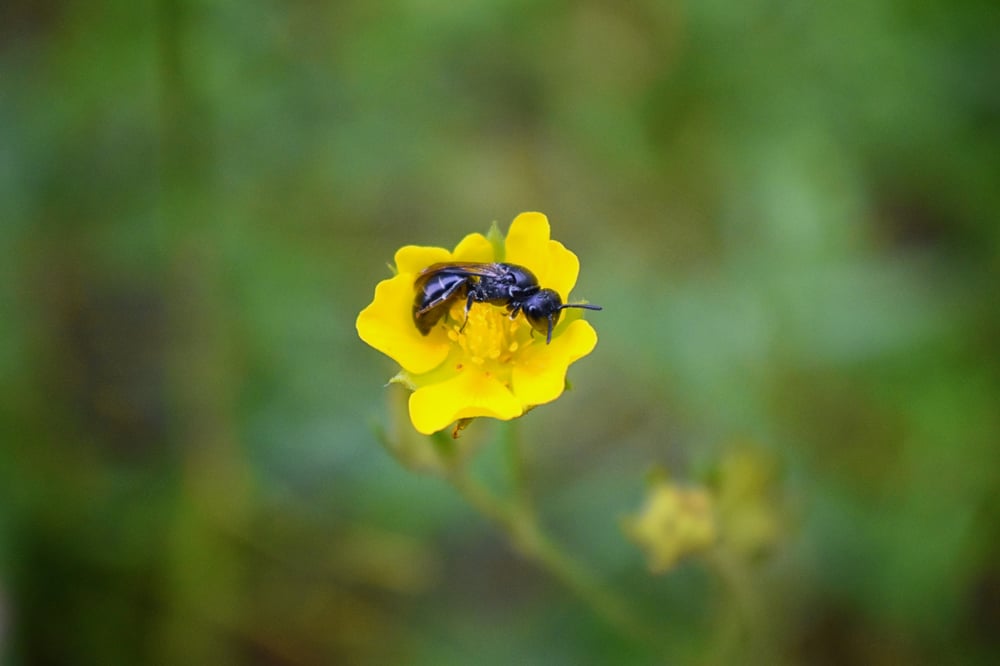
387	325
470	393
564	267
414	258
474	247
528	245
539	374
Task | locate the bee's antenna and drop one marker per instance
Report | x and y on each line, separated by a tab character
585	306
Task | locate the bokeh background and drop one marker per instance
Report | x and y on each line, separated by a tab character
788	210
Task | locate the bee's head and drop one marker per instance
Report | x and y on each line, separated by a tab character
542	310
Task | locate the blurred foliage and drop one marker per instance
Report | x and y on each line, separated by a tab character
788	210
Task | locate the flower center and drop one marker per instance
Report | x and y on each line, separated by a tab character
488	335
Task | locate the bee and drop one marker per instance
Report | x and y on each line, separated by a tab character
510	285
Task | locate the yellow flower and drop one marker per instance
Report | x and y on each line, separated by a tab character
495	366
675	522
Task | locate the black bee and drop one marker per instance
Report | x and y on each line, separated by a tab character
439	285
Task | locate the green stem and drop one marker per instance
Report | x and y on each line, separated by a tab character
520	522
743	629
521	495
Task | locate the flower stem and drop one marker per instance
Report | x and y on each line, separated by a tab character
518	519
520	493
744	628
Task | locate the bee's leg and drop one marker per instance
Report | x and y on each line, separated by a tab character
468	306
515	309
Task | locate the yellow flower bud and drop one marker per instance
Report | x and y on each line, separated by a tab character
675	522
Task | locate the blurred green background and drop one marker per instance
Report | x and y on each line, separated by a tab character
788	210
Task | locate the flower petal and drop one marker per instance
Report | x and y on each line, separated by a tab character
387	325
468	394
414	258
474	247
564	267
528	245
539	376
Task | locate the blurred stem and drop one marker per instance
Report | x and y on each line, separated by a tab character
202	579
519	520
744	626
521	494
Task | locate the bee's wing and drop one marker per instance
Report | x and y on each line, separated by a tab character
461	269
439	283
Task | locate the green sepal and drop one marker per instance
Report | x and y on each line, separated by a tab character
498	241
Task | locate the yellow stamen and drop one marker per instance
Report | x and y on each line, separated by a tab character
489	334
